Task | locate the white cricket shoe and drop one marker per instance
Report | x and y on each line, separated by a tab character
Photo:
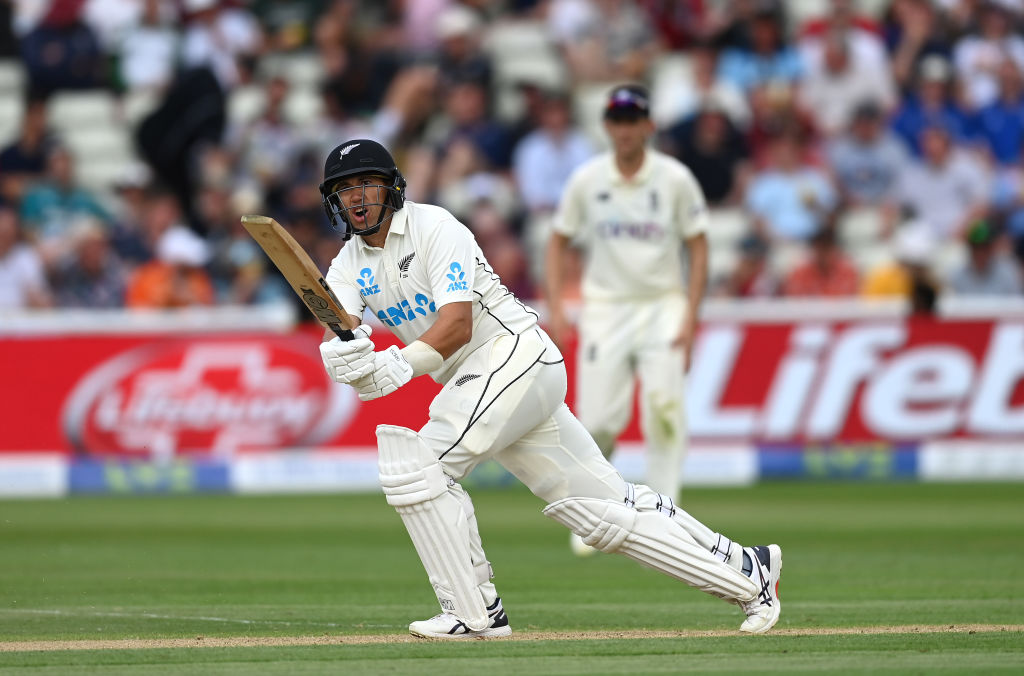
763	612
579	547
446	625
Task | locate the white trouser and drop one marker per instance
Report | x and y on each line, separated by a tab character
506	402
623	341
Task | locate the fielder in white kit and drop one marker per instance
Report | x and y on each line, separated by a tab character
632	210
423	275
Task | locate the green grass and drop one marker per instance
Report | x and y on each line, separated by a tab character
855	555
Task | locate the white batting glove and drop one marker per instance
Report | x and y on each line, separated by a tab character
390	371
347	361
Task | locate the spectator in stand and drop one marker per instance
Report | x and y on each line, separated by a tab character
130	206
467	112
837	83
24	160
109	20
148	50
542	163
678	23
50	206
988	271
267	148
407	102
931	104
222	37
776	113
978	55
714	151
338	121
947	188
913	30
416	19
288	26
1001	123
534	96
603	40
544	159
1007	203
706	86
152	214
91	276
238	268
826	272
467	183
62	52
22	276
752	277
767	59
176	278
860	33
459	55
913	246
790	199
843	15
867	159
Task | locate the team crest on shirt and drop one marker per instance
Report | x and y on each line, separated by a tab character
367	287
457	277
403	265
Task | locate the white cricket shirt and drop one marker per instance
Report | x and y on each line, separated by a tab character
429	259
632	231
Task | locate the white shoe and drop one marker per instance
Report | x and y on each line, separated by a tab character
580	548
447	625
763	612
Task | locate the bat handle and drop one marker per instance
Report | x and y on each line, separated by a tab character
342	333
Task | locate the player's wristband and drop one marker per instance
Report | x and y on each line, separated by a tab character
422	357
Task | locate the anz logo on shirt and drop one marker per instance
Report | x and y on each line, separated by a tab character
366	284
457	277
405	312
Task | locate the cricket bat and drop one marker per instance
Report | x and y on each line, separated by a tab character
303	276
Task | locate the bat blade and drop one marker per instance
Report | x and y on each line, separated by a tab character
301	273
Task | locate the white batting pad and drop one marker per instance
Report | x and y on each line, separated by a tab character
417	488
723	549
653	539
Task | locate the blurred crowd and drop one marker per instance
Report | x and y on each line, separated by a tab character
911	111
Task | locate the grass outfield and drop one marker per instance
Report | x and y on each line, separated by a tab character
880	578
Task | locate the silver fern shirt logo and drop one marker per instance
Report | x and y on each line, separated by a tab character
347	149
403	265
462	380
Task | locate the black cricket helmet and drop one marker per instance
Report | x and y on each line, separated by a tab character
353	158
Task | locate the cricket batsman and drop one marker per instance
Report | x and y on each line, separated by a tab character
421	272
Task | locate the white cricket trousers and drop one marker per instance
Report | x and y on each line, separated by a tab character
621	342
506	402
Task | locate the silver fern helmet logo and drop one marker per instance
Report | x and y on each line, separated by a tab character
347	149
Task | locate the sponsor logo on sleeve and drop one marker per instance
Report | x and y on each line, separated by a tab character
457	278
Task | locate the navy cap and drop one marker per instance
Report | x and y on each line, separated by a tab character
628	102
